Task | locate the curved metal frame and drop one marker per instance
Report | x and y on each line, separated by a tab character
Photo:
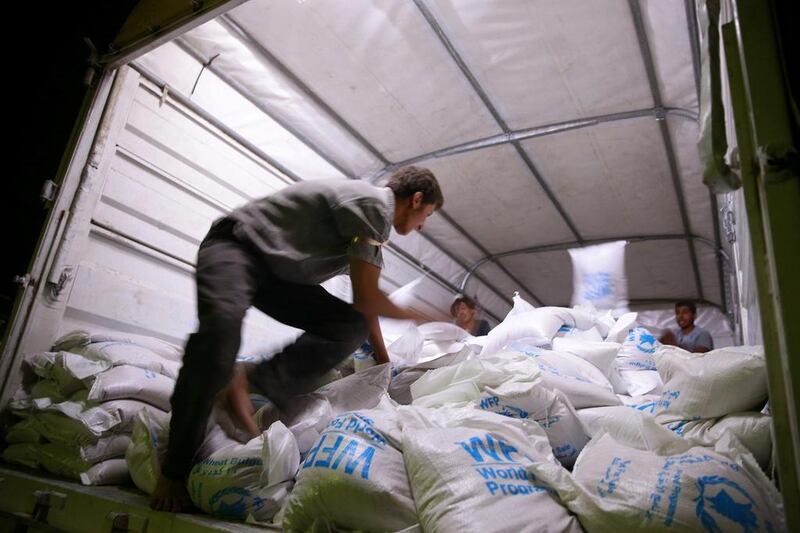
718	250
513	137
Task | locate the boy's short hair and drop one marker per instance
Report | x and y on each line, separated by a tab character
466	300
686	303
410	179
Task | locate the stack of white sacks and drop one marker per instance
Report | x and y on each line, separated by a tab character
78	408
558	420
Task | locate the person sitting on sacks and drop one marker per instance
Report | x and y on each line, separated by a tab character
273	253
464	310
689	337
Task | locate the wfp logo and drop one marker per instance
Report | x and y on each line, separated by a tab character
719	498
234	502
596	285
645	341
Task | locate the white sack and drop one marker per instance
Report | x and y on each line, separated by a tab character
638	350
123	353
149	445
641	382
646	402
110	472
753	430
354	476
539	324
79	338
133	382
620	328
73	423
582	382
619	488
467	470
591	334
598	276
628	426
712	384
601	354
550	409
400	387
67	369
252	479
519	305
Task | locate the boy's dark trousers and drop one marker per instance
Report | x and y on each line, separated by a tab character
231	278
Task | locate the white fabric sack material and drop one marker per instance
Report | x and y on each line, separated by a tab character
147	448
442	332
583	383
64	461
308	414
618	488
133	382
641	382
550	409
753	430
620	328
638	350
404	296
80	338
712	384
128	410
628	426
400	387
601	354
598	276
519	305
467	471
457	383
407	347
149	438
354	477
73	423
571	332
646	402
68	370
251	479
540	324
122	353
110	472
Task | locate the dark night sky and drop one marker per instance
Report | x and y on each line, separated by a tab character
45	90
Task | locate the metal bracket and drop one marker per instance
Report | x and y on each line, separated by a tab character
49	191
46	500
24	280
127	523
58	287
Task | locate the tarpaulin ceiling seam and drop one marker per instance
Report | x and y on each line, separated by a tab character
647	58
535	132
436	27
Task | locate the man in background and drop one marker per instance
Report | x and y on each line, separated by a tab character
688	336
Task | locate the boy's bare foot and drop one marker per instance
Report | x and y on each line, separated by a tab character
236	401
171	496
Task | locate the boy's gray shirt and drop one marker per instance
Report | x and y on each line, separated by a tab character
307	233
698	337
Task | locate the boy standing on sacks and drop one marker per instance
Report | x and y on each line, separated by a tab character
273	253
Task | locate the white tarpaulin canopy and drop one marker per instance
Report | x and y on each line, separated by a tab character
549	124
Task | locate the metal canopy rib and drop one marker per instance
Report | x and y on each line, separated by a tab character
246	39
437	28
534	132
647	58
